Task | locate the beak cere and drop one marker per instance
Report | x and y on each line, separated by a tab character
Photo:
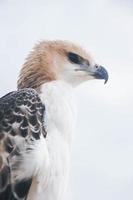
101	73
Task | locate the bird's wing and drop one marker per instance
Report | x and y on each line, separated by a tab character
21	133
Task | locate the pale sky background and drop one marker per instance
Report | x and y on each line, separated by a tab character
102	159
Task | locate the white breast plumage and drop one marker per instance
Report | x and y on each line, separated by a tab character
60	121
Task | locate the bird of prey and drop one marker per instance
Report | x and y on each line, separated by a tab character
37	121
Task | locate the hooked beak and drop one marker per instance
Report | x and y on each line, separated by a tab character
101	73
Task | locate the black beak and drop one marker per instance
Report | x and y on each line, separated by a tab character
101	73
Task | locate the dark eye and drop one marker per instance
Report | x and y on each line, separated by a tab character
74	58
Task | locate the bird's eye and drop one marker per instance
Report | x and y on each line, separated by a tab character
74	58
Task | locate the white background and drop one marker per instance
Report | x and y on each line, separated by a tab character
102	159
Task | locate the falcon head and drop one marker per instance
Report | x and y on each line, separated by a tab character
59	60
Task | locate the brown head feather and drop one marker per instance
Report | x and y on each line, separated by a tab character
45	62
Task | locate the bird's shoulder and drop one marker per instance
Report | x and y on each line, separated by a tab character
21	126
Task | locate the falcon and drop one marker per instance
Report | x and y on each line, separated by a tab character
37	121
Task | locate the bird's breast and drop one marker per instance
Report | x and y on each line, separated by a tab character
59	122
60	109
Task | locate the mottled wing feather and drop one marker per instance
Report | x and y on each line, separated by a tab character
21	126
